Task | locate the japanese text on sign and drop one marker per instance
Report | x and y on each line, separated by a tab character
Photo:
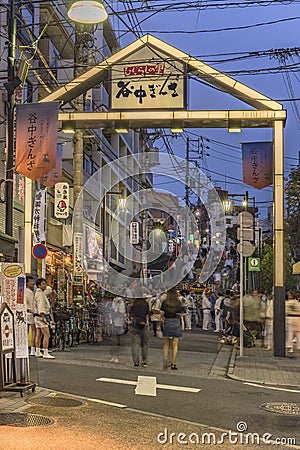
134	233
144	83
78	251
61	210
39	216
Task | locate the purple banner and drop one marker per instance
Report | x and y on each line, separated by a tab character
257	164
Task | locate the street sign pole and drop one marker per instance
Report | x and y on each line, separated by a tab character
241	297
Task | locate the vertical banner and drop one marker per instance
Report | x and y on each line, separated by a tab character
39	215
61	201
36	138
78	252
12	280
257	164
55	175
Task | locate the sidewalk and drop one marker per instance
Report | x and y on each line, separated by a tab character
96	425
258	365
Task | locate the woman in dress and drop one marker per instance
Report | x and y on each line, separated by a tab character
171	307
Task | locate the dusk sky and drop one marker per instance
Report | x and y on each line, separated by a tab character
246	53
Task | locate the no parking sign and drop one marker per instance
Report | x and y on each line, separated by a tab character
39	251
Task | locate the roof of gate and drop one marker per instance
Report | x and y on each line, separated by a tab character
99	73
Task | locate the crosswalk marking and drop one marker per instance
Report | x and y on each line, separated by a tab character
148	386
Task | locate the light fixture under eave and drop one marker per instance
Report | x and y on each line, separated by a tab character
176	126
68	127
87	11
234	127
120	130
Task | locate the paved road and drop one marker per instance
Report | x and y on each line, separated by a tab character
221	402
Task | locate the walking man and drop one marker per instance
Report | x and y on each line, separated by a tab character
41	310
139	334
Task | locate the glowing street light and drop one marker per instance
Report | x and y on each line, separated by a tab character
87	12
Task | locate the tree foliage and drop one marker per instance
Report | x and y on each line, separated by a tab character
267	264
292	190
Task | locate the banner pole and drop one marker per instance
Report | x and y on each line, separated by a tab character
241	296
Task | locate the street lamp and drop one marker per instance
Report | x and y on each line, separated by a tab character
88	12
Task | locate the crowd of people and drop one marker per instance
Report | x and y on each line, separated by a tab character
138	311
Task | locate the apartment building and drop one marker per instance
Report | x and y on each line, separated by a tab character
57	54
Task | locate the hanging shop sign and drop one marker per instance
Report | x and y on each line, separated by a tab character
39	215
12	281
134	233
148	80
61	201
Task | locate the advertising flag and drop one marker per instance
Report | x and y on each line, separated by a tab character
257	164
55	175
36	138
39	215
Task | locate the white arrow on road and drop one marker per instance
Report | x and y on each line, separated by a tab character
148	386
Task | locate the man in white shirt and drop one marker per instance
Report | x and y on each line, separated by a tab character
206	305
41	310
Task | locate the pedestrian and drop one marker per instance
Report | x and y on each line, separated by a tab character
269	323
41	311
29	297
119	317
155	304
206	305
219	313
184	319
292	308
172	332
139	334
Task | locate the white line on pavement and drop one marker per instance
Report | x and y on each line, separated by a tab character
81	397
147	385
273	387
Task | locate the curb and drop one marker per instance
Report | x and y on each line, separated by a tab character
230	374
231	363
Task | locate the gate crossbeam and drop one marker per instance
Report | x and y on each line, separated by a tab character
167	119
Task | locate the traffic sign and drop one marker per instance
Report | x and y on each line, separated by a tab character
39	251
245	219
245	234
245	248
254	264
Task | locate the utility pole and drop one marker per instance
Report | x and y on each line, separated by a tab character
78	136
10	129
144	213
187	176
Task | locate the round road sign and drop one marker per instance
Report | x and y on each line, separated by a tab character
39	251
245	248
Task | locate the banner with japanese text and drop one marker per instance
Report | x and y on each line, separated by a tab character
12	282
55	175
257	164
148	80
39	215
36	138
